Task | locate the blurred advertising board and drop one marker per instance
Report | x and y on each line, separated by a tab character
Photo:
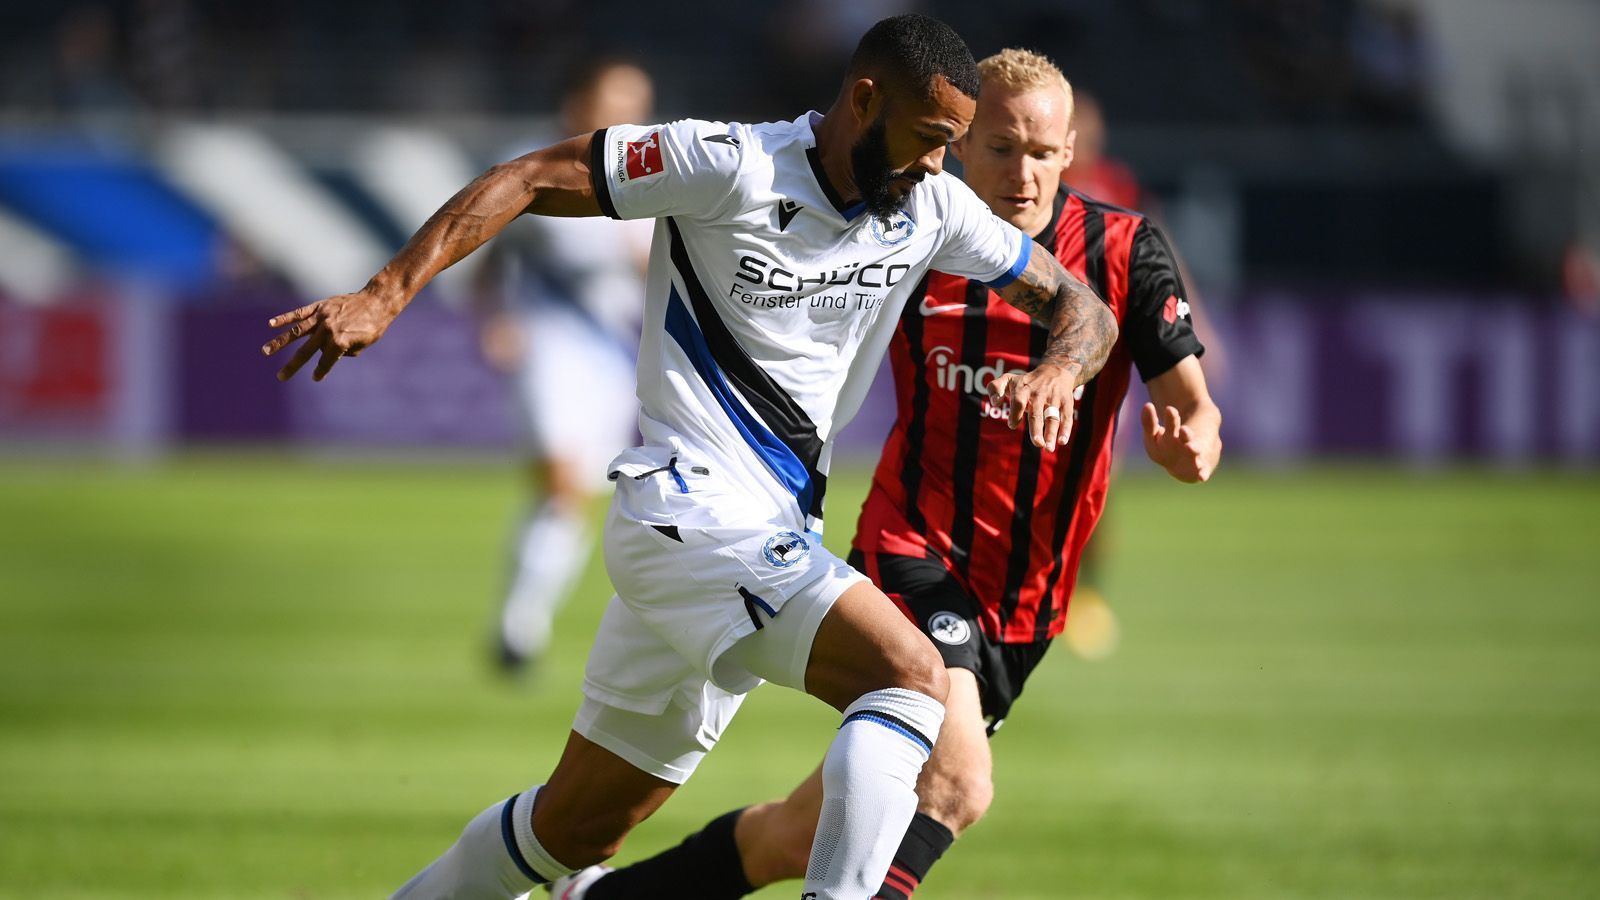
1424	378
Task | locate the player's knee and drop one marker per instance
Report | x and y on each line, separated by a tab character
921	669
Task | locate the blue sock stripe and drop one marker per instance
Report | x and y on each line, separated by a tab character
509	835
893	724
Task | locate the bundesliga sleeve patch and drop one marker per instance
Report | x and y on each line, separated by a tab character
642	159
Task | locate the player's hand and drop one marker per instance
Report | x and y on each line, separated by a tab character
338	326
1187	456
1042	397
504	343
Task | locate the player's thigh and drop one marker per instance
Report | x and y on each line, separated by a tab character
865	644
645	703
720	574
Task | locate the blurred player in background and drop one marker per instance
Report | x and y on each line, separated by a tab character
784	253
564	302
975	535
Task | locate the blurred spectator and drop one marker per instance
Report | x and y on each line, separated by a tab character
1580	277
812	39
1294	52
164	54
90	81
1390	63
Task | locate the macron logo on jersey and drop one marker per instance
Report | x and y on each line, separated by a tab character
643	158
1174	308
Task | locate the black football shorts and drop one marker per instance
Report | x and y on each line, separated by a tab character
945	612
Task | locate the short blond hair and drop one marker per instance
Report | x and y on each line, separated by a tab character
1024	70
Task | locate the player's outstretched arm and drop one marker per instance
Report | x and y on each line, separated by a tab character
553	182
1082	330
1182	427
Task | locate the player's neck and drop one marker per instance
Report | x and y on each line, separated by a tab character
833	145
1035	224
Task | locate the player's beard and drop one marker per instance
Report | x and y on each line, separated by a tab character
873	173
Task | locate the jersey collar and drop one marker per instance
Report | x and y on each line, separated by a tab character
1047	237
813	156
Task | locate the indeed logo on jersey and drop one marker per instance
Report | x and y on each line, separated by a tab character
639	159
953	376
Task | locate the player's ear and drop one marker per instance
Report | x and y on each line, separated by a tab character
1069	148
866	100
959	146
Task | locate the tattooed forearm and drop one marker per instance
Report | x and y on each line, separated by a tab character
1033	299
1082	329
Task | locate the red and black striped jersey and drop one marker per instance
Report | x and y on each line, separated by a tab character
954	483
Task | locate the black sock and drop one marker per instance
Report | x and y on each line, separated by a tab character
925	841
705	866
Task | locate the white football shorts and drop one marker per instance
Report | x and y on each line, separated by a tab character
699	564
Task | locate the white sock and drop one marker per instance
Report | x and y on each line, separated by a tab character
496	858
869	791
552	546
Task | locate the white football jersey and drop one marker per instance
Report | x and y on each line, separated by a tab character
769	303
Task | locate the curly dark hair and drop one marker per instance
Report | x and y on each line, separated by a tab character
912	49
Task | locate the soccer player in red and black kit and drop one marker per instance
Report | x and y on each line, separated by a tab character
973	532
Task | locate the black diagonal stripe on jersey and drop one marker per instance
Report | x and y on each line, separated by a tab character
1027	486
771	402
1094	266
599	178
912	321
969	421
1028	465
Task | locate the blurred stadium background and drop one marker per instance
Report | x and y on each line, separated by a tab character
241	622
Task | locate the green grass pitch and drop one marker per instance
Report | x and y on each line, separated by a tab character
252	677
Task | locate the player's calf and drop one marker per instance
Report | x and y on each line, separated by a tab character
956	799
957	784
593	799
774	839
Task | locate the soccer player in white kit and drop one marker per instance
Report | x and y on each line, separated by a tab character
566	298
783	255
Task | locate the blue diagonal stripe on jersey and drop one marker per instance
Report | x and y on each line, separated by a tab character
791	472
772	405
